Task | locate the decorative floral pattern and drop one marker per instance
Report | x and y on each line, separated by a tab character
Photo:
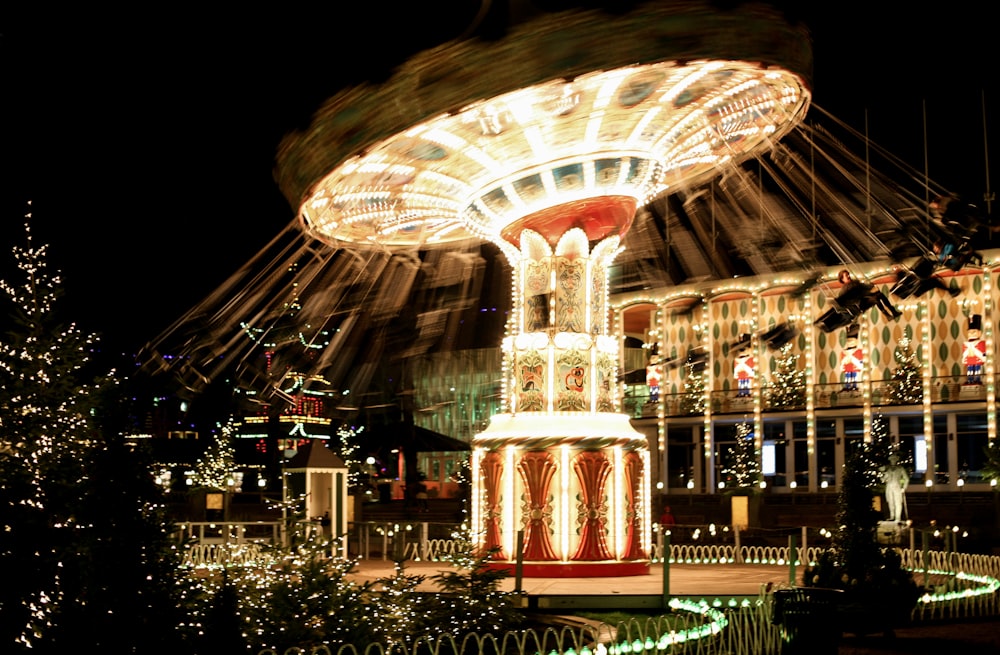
537	468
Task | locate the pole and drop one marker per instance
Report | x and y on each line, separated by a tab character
666	572
792	548
736	544
925	539
284	504
519	562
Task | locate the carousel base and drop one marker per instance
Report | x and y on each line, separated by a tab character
608	569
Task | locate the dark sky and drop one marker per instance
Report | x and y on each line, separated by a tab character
146	142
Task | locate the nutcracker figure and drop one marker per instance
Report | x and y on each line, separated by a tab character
975	351
852	359
743	367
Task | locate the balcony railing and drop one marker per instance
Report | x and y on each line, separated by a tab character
945	389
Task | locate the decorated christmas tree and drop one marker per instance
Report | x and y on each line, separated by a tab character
471	598
216	468
346	444
990	469
83	534
46	441
786	387
743	468
905	387
879	593
874	454
693	400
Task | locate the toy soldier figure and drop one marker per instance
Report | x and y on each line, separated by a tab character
852	359
743	367
975	351
653	374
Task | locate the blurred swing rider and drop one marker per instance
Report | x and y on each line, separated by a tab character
854	298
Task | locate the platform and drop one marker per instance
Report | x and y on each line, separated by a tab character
695	581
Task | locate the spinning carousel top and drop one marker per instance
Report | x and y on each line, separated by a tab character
590	111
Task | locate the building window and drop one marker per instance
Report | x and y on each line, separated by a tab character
776	444
971	438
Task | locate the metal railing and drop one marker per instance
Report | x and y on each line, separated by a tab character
831	395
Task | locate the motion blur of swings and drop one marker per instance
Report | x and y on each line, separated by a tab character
855	297
958	228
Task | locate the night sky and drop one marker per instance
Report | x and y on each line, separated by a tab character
146	144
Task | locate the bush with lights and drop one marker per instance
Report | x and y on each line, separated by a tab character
470	600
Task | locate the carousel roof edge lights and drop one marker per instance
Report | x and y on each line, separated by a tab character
383	145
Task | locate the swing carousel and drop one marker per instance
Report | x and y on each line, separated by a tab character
575	170
545	144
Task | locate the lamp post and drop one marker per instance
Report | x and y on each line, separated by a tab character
288	452
690	486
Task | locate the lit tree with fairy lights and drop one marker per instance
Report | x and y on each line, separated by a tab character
346	445
693	400
991	467
216	468
472	600
905	386
743	467
45	437
787	385
873	455
84	539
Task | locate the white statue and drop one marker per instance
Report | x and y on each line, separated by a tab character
895	478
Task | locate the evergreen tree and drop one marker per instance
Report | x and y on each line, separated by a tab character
472	601
743	468
84	540
905	387
786	388
347	445
878	592
398	615
216	468
874	454
128	586
990	469
46	439
693	400
305	601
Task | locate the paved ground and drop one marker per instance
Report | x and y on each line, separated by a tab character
977	637
725	581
